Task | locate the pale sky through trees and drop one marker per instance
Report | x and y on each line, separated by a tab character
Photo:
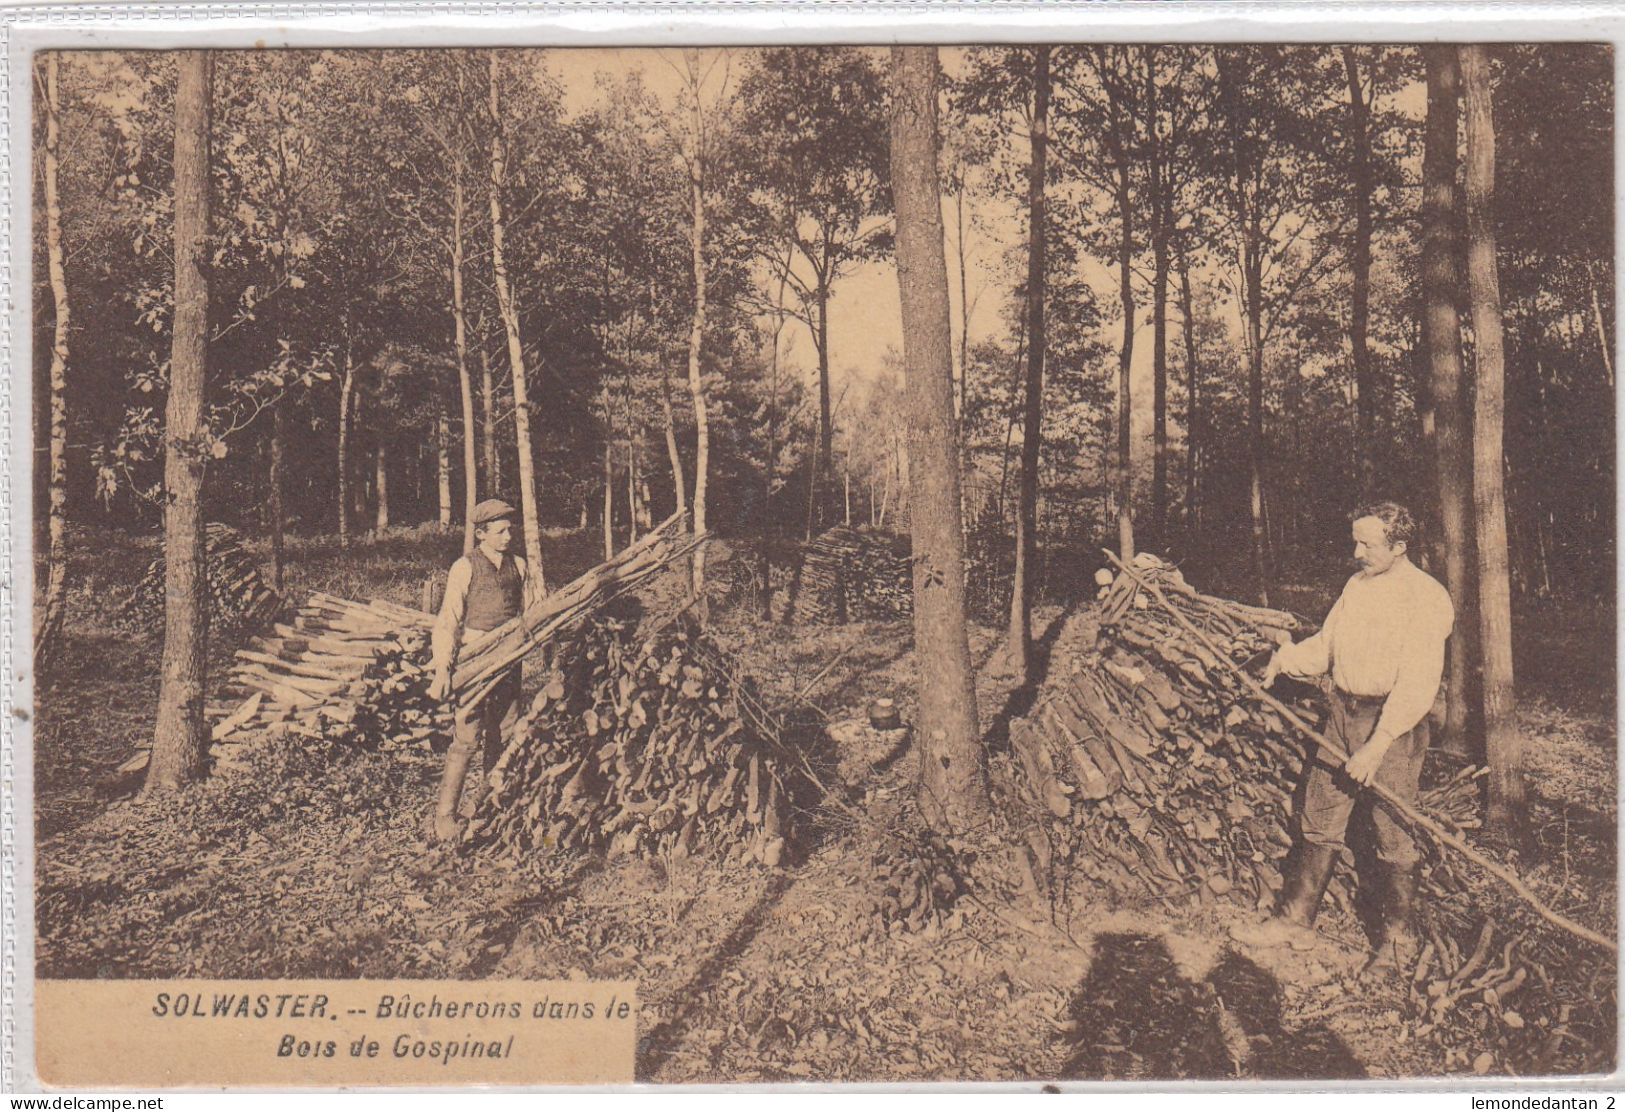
864	316
865	321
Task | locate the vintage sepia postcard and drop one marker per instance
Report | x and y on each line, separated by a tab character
1062	551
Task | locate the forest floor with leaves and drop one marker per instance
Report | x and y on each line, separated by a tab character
304	863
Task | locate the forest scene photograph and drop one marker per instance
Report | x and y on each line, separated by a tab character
1059	562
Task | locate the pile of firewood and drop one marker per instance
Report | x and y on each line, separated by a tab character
639	745
344	671
238	597
849	575
387	707
1148	763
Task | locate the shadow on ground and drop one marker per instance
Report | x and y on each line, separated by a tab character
1022	698
655	1048
1137	1017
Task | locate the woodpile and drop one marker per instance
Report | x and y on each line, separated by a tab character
356	673
238	596
1148	764
341	671
387	707
640	744
850	575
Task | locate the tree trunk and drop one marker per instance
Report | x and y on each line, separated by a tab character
1602	336
1124	462
1441	327
509	312
1360	266
181	737
493	458
1252	268
465	385
275	510
442	465
764	560
1503	745
609	485
346	400
1193	415
1125	360
380	485
964	305
631	465
696	333
821	453
1010	421
1160	232
1019	642
1255	409
48	636
679	483
953	783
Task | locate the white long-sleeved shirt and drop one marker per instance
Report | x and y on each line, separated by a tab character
1384	636
446	636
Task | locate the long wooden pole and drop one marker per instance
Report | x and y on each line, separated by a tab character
1397	805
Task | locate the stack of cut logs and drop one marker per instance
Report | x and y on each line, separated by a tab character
848	575
1152	764
1149	763
639	746
345	671
238	597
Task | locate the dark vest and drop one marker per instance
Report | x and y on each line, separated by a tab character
494	594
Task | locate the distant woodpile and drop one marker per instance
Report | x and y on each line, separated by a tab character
238	596
852	575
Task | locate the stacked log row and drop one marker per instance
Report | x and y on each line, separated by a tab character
340	671
238	596
1151	765
345	672
639	746
850	575
387	706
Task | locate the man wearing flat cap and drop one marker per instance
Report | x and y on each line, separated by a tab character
485	588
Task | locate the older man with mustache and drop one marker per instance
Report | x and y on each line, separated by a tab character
1383	643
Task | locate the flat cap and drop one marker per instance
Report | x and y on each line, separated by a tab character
493	509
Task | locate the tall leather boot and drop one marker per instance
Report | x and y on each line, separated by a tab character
447	826
1398	946
1294	924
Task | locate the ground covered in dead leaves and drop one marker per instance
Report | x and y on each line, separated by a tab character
298	863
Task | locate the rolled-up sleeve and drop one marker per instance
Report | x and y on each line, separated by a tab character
446	636
1421	666
1313	655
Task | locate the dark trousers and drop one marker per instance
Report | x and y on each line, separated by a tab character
483	728
1329	795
